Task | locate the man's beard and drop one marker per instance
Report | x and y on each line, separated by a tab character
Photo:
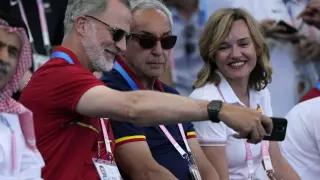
96	54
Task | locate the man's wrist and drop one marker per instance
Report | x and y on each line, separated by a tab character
223	111
213	109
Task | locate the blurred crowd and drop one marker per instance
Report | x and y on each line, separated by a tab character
293	76
210	45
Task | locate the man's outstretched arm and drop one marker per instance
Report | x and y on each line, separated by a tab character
151	108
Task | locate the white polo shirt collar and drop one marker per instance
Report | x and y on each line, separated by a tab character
232	98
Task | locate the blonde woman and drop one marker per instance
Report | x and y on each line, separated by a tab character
236	70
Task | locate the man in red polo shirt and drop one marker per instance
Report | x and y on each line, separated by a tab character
66	98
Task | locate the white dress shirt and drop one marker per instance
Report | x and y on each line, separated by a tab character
301	147
219	134
29	163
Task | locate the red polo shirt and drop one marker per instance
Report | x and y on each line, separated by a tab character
52	94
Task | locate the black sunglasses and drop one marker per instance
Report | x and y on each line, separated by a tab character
149	41
117	33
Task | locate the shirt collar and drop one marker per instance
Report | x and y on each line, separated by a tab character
69	53
232	98
157	84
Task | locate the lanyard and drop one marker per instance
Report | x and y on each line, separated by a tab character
107	141
43	23
134	86
264	150
24	18
176	145
13	144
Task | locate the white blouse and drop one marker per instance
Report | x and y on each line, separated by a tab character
219	134
29	163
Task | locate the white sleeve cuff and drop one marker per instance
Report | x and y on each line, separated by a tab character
212	142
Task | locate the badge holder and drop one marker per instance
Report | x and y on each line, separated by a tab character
107	169
193	168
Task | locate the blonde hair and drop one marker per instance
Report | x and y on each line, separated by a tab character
215	31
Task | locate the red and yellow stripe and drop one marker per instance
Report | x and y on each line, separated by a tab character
191	134
259	108
128	139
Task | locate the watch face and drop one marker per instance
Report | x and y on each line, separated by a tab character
215	105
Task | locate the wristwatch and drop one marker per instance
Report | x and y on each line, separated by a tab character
214	108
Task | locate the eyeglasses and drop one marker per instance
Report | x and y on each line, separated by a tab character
149	41
117	33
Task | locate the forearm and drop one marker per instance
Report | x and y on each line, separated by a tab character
149	108
209	173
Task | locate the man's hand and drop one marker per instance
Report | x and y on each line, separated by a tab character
311	14
309	49
247	122
272	30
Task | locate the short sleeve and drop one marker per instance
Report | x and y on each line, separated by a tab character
123	132
126	133
189	130
209	133
70	85
59	87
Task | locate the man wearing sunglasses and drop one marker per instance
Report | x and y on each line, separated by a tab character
67	99
146	152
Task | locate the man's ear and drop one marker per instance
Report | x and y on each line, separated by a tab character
80	25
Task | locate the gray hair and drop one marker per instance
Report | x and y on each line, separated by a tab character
151	4
82	7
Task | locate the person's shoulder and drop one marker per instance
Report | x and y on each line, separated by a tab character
60	67
310	105
315	92
207	92
114	80
169	89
